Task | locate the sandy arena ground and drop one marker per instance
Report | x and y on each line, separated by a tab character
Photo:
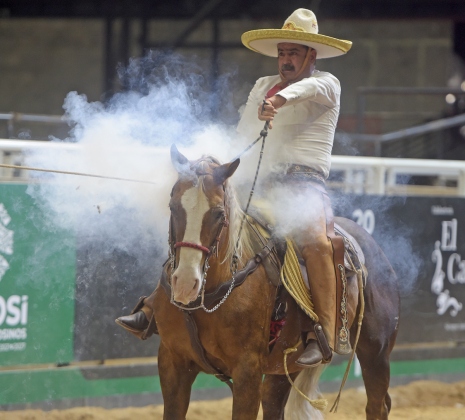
422	400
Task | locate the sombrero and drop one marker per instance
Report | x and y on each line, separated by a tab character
299	28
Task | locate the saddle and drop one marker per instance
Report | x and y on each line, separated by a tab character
354	261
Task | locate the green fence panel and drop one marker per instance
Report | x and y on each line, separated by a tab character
37	280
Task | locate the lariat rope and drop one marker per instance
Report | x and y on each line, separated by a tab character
293	281
319	404
263	134
28	168
359	327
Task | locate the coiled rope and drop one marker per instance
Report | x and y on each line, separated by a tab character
293	281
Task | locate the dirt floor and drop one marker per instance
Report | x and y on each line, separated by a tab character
422	400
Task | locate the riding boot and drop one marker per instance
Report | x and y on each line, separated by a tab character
136	322
141	321
322	280
317	252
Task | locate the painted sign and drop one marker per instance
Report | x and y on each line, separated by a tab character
37	276
424	239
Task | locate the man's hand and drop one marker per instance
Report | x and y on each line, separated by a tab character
267	112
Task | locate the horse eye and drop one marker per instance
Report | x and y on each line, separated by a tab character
218	213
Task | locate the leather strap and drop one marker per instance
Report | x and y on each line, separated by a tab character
342	343
323	342
211	299
200	351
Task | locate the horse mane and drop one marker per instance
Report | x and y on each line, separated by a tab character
235	215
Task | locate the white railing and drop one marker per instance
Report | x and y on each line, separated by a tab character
357	174
373	175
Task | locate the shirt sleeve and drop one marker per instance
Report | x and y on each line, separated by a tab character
249	115
325	90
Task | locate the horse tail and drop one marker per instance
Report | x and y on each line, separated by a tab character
297	408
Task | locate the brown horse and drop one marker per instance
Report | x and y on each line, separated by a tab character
204	225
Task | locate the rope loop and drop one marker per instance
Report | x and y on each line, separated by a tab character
319	404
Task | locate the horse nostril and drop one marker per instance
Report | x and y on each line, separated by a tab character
195	284
175	279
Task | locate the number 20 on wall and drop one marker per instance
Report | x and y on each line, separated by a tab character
366	219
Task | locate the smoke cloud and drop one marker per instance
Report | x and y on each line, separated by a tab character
167	100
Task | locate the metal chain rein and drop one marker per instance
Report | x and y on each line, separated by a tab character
234	259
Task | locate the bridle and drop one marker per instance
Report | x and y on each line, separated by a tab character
216	243
212	250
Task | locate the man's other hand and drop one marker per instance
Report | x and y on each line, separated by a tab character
267	112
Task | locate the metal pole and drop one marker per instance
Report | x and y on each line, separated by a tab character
10	126
412	131
372	90
215	67
124	51
195	22
143	36
360	111
108	70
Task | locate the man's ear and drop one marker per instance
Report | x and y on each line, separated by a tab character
313	55
223	172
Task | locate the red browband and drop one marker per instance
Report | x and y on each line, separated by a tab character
191	245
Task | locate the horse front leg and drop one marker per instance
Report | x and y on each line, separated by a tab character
247	379
176	378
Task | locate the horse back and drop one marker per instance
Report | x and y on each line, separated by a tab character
382	299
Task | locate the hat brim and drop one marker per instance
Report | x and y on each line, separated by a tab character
265	41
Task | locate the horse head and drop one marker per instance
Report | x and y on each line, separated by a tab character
198	215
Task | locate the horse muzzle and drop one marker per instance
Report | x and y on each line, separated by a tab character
186	286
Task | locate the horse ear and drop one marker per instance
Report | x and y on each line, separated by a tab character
180	162
223	172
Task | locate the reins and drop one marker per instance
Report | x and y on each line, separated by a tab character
263	134
215	246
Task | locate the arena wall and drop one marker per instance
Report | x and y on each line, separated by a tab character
44	59
60	293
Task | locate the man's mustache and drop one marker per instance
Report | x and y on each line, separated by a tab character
287	67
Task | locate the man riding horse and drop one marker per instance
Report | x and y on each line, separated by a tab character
307	102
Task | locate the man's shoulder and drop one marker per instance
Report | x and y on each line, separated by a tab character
268	80
326	75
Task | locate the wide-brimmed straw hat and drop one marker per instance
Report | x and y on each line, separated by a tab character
299	28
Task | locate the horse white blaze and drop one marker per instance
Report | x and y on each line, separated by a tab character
187	276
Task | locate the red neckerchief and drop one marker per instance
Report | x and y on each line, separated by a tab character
274	90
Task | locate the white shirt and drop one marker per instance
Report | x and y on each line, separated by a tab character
303	130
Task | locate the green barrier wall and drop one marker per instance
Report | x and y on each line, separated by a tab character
37	276
68	382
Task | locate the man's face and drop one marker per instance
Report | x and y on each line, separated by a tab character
291	57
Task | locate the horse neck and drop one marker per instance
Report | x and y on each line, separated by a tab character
220	267
219	270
